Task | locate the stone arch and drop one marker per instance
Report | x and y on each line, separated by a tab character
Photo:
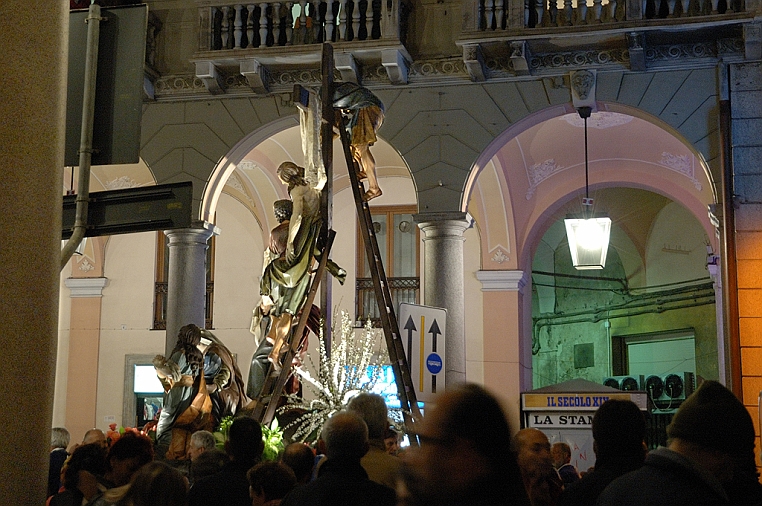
231	160
530	205
537	189
185	141
684	178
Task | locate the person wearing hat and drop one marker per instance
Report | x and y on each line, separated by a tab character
709	449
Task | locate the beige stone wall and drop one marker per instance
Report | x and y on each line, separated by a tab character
31	154
746	97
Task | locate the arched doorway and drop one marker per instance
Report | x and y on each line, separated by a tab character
532	176
246	177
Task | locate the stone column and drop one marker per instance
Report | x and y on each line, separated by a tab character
34	42
507	354
186	283
84	347
443	282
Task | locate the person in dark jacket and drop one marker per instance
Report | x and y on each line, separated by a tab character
619	431
341	479
59	441
230	487
710	444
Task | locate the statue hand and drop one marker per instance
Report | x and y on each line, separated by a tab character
266	304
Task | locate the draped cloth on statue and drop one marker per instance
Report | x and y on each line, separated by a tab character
286	279
366	112
224	379
309	125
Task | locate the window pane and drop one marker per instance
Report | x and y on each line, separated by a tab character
404	245
379	225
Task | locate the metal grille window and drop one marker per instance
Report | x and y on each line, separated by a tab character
399	243
162	276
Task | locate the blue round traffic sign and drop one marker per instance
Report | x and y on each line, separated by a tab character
434	363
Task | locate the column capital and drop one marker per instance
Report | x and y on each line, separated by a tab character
502	281
200	231
438	224
86	287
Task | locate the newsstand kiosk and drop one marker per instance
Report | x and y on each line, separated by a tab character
564	412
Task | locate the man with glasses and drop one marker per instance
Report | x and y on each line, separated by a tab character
465	454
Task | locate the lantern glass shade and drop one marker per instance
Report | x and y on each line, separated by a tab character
588	241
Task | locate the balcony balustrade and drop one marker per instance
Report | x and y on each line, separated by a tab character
402	290
270	46
268	24
494	15
260	39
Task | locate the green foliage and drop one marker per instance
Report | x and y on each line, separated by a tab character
273	439
221	434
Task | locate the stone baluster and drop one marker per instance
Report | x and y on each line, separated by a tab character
302	21
582	10
250	24
276	23
539	7
612	11
686	4
552	12
489	14
263	24
568	11
289	23
329	22
671	4
343	20
526	12
368	19
715	3
356	20
316	21
499	13
597	9
238	25
225	29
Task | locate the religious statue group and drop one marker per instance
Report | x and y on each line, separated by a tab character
201	379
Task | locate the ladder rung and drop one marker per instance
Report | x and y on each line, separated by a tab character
381	287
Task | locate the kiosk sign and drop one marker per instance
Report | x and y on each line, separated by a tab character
577	401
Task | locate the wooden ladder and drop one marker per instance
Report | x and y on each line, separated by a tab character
405	389
272	388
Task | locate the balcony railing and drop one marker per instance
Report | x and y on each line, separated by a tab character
266	41
494	15
402	290
269	24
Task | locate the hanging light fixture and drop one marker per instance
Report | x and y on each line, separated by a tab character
588	235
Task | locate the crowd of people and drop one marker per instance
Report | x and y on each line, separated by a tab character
467	455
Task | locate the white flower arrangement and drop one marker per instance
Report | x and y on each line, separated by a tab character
353	367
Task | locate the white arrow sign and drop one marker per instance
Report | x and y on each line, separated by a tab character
423	330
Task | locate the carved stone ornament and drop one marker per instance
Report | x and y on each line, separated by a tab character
120	183
538	173
582	82
500	256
